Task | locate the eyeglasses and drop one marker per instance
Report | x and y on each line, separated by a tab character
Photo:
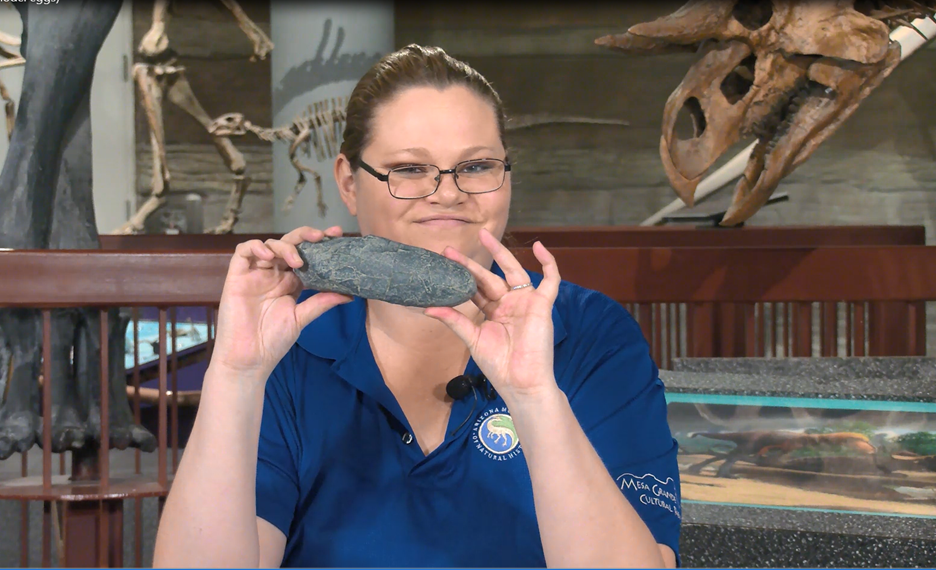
415	181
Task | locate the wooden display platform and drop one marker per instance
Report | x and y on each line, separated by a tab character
64	489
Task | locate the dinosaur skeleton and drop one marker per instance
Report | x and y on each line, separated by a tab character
157	76
46	202
319	127
787	73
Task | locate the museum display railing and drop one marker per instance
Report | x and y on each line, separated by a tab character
595	236
778	328
82	518
84	512
706	329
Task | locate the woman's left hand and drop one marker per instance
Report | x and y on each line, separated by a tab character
514	344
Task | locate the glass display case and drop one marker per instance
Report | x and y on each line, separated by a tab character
189	335
828	453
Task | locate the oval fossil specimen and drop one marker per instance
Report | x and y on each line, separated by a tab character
373	267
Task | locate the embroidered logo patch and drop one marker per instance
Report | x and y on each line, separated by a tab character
494	435
652	491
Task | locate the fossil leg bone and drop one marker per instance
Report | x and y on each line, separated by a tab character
149	81
13	59
9	108
261	42
302	138
156	43
181	94
232	211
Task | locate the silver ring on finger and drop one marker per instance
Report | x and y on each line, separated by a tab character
517	287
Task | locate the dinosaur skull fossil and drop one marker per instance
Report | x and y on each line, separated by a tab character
784	71
228	125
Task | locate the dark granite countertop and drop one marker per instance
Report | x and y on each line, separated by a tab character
753	537
910	379
766	518
881	367
711	546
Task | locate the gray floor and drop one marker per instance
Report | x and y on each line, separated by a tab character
10	512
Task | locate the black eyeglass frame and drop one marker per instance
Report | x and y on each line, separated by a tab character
386	177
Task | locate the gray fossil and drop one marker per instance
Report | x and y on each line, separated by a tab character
373	267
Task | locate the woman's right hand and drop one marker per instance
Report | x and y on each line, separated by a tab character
258	318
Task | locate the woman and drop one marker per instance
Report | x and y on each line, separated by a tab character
325	436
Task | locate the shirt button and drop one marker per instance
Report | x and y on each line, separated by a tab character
407	438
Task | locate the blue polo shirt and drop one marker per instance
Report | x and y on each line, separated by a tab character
340	475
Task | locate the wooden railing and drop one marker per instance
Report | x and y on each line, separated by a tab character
775	293
779	301
717	328
595	236
82	521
